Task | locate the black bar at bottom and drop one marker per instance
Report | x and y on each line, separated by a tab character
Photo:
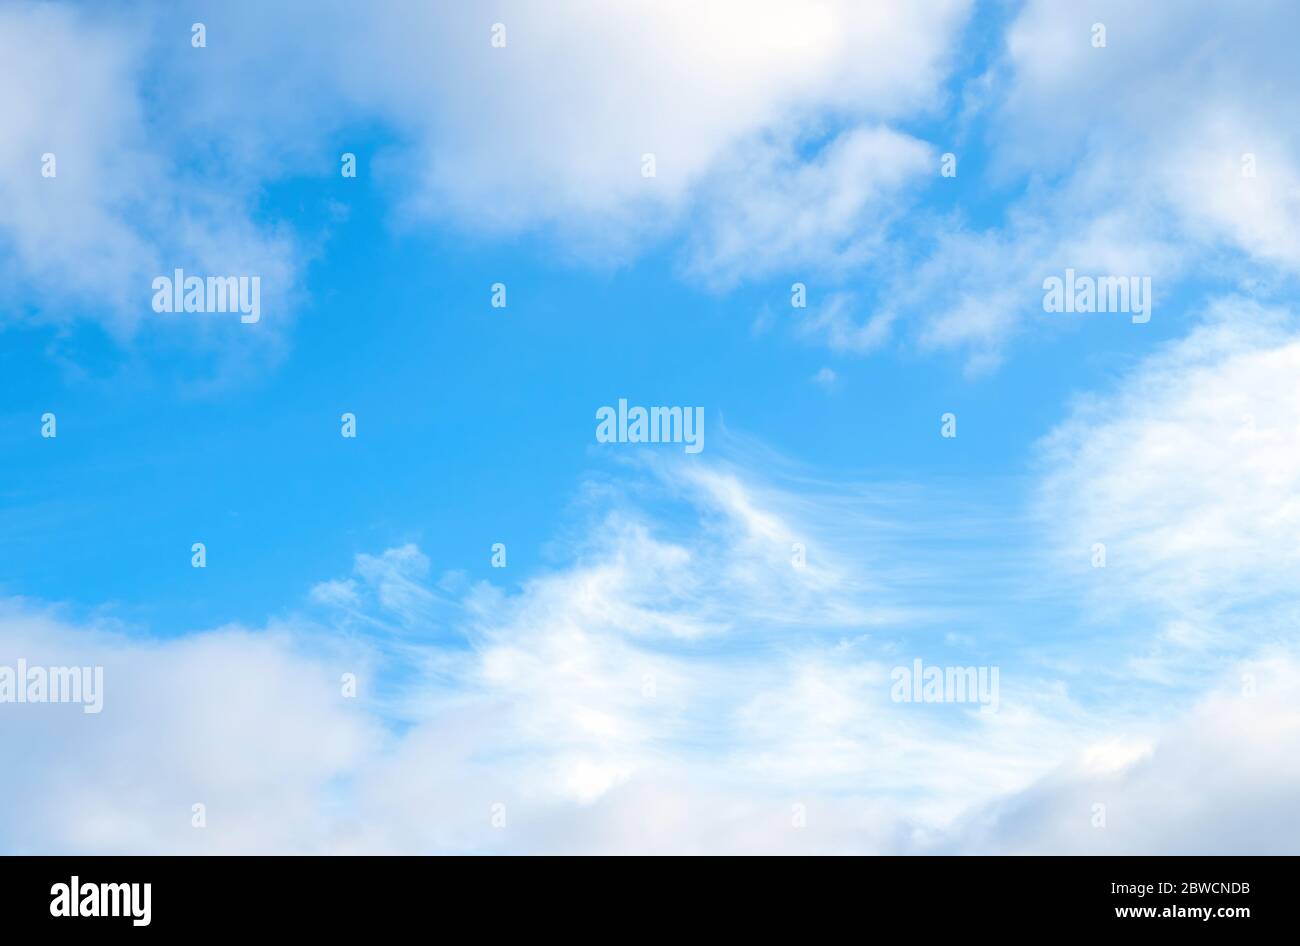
1223	896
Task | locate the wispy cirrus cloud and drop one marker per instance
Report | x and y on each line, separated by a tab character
667	652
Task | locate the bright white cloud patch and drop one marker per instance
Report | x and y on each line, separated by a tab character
707	664
248	724
1189	472
1221	780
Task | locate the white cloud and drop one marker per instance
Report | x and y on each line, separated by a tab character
120	210
1123	160
565	112
1168	113
550	131
1221	780
1188	472
771	209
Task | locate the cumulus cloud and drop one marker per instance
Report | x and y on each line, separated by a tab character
709	666
249	724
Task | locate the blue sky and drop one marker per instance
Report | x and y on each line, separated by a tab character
792	146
